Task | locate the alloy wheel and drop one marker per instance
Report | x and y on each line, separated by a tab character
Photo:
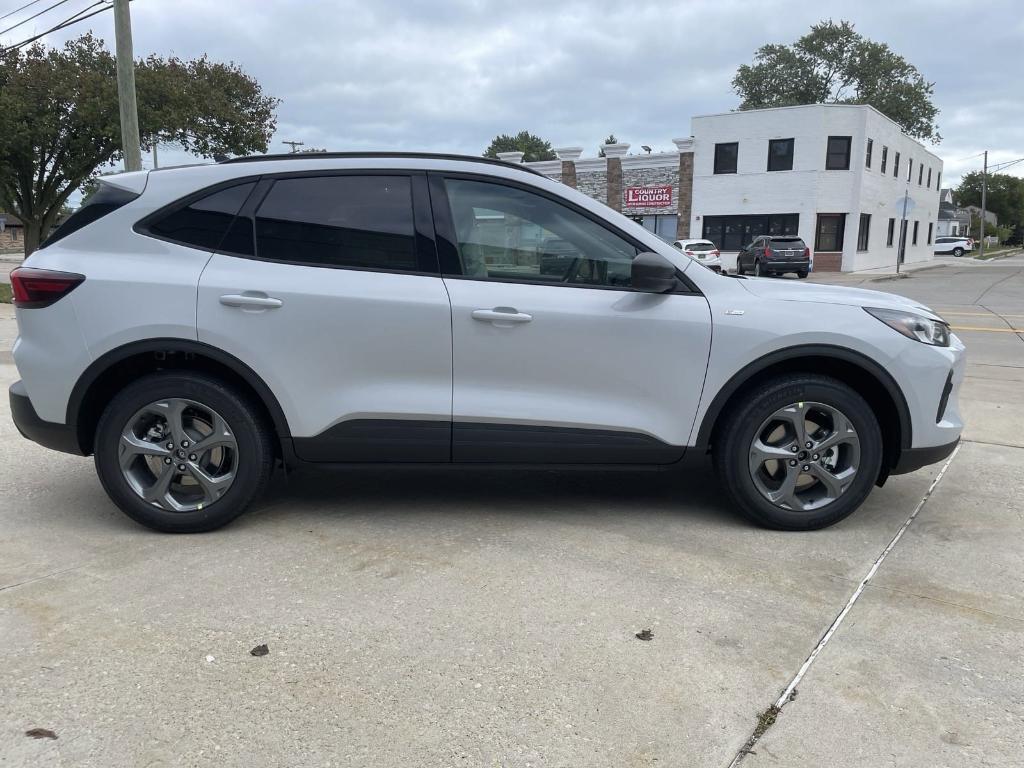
178	454
804	456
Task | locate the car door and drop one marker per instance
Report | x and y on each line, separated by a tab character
327	287
572	366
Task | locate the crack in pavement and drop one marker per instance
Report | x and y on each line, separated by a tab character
768	717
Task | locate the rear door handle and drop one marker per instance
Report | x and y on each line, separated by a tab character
501	316
250	300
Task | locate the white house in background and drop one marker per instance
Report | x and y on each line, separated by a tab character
837	175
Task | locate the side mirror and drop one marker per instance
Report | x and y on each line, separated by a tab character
652	273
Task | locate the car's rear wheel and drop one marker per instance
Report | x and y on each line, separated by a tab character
801	453
758	271
182	452
958	252
739	267
802	274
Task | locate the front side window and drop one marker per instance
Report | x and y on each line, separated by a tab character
507	233
362	222
204	223
829	233
863	231
780	155
867	154
726	157
838	155
885	157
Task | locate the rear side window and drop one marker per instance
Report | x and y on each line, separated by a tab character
204	223
106	199
361	222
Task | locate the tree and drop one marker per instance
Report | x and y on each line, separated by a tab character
1004	196
533	147
59	120
833	64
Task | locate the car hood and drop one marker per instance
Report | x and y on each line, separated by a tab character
789	290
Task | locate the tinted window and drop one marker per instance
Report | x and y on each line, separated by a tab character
104	200
203	223
829	234
509	233
733	232
788	243
863	231
339	221
700	247
725	157
838	157
780	155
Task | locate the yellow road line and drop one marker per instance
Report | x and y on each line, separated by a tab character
990	330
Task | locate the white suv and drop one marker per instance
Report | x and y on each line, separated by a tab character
193	328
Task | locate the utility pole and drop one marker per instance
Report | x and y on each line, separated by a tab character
126	87
294	144
984	189
156	163
901	252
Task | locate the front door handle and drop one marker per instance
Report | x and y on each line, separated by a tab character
501	316
250	300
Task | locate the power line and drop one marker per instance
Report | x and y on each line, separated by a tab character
1005	164
37	15
19	10
66	23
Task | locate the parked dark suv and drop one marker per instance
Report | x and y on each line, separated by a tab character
774	256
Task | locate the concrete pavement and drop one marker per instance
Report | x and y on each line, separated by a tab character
488	618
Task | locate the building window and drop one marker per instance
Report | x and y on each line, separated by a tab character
663	225
916	225
910	169
725	157
929	184
829	234
920	174
838	156
930	224
896	165
862	232
891	234
780	155
885	157
731	233
938	180
867	154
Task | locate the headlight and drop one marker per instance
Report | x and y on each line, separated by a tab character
913	326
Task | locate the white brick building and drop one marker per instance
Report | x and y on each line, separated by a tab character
837	177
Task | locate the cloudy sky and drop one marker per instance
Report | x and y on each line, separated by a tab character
447	75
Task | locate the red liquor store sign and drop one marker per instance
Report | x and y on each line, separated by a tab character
648	197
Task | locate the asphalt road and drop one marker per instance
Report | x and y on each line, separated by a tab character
489	618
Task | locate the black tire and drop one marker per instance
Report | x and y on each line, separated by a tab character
758	270
733	441
253	437
958	252
739	267
802	275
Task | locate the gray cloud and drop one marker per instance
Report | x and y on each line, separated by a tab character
448	76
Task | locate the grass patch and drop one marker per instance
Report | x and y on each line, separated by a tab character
999	253
5	293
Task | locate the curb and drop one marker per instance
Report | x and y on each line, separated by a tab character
903	275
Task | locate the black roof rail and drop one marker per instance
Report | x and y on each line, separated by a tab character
378	155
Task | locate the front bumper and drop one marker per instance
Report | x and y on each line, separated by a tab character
59	437
912	459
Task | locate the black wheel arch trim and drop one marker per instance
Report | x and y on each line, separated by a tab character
178	345
739	379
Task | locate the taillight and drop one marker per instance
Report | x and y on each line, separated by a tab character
807	253
36	288
716	252
767	252
688	252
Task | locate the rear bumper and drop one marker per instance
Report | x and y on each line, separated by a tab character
787	266
59	437
912	459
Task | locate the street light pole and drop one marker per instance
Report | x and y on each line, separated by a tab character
126	87
984	189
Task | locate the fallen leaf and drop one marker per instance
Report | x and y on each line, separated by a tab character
260	650
41	733
644	634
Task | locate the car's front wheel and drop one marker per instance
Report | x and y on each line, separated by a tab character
800	453
182	452
758	270
958	252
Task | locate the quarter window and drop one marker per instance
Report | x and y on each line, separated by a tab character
829	233
780	155
363	222
506	233
204	222
726	156
867	157
838	155
862	232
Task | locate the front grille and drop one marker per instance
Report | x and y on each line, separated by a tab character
944	400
